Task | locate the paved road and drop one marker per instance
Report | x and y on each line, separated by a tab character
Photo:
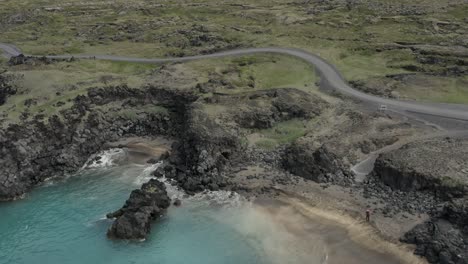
330	77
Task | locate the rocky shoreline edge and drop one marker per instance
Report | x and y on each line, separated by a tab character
207	155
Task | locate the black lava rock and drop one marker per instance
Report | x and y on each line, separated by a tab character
133	220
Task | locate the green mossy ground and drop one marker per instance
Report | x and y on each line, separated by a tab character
353	37
51	88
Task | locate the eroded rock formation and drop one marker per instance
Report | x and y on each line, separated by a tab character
133	220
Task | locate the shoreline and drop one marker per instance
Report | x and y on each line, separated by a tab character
357	230
210	155
335	213
309	202
331	214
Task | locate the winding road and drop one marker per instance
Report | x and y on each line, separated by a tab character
330	77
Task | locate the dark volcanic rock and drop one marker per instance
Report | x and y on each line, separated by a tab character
255	118
457	213
439	242
133	220
177	202
208	146
437	165
6	88
284	104
205	149
444	239
36	150
415	202
30	60
319	165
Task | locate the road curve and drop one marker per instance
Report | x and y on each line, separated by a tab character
328	73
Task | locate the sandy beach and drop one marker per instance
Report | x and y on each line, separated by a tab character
345	239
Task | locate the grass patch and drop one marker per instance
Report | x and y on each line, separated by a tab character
281	133
357	66
260	72
267	143
437	89
3	61
52	87
280	72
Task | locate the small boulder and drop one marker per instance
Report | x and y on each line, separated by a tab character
177	202
152	161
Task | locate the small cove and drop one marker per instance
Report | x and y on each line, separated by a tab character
63	221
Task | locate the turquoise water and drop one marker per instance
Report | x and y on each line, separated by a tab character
63	222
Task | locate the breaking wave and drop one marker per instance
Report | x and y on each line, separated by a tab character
145	175
105	158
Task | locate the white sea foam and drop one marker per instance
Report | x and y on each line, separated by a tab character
48	182
108	158
173	191
145	174
206	198
225	199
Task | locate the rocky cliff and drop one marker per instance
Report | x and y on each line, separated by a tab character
437	166
36	150
443	239
317	164
7	87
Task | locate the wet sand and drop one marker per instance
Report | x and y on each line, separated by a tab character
140	149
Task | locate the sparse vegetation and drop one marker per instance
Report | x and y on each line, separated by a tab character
449	182
281	133
437	89
361	38
135	113
258	72
48	89
257	119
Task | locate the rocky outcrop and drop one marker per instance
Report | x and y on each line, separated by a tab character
443	239
204	149
439	242
6	87
171	98
208	145
133	220
457	213
36	151
407	179
317	164
262	109
30	60
436	165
